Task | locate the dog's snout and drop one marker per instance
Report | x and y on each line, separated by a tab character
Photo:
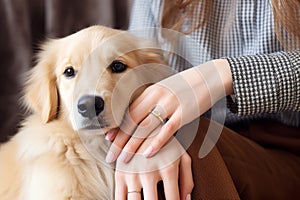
90	106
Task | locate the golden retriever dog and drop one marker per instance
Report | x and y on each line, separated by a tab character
70	95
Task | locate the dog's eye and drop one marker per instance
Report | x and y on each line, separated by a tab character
69	72
117	67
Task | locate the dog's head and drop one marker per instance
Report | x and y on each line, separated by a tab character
89	78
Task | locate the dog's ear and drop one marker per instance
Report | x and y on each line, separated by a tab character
41	94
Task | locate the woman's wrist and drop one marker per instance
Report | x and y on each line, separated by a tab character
209	82
216	75
223	68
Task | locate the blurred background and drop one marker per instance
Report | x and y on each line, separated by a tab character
27	23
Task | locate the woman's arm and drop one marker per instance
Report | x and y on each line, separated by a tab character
260	83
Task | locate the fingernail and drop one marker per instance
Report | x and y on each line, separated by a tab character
148	151
110	157
123	157
188	197
110	134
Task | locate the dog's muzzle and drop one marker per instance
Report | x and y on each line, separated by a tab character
90	106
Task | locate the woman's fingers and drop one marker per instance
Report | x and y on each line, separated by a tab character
129	185
120	187
185	177
176	177
142	131
116	147
158	140
170	180
134	196
142	128
166	132
130	143
145	115
127	128
132	184
149	181
134	192
131	121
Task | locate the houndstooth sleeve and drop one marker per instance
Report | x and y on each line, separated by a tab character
265	83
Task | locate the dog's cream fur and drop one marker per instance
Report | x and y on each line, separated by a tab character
47	159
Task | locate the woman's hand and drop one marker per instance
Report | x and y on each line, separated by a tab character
180	98
172	166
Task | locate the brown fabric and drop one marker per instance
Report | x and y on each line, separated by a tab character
26	23
274	135
240	168
263	172
211	177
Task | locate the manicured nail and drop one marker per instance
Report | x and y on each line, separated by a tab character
123	157
110	157
110	134
188	197
148	151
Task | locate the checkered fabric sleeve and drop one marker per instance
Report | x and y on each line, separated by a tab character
265	83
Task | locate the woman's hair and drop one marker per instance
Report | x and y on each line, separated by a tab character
176	11
287	20
286	16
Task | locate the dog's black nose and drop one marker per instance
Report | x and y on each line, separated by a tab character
90	106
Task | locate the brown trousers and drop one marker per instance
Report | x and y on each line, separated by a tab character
263	165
